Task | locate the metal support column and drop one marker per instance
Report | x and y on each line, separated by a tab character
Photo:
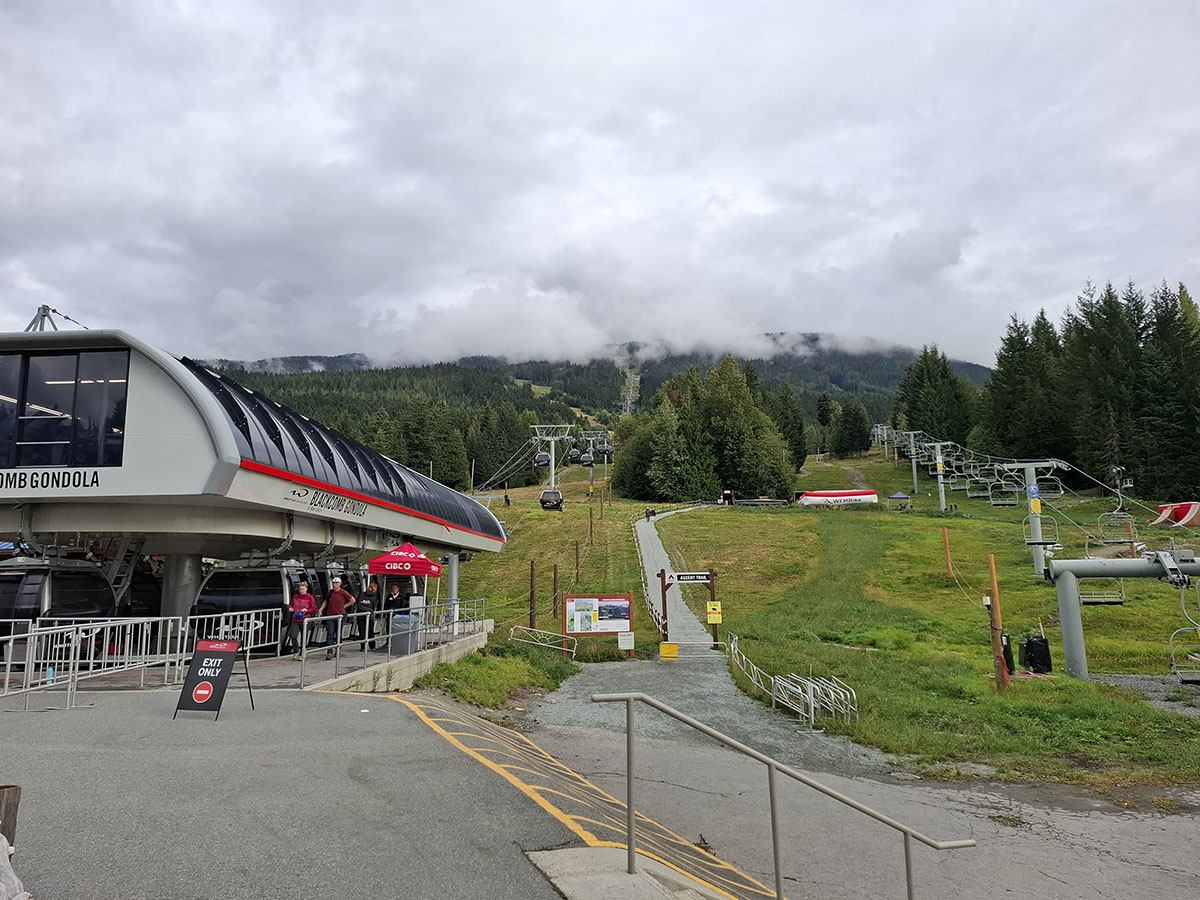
1035	520
1071	622
452	588
181	583
941	468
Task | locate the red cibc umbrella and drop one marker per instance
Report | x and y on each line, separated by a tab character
404	560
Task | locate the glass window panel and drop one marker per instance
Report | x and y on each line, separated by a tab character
100	408
10	390
44	434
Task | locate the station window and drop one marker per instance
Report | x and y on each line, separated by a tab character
63	409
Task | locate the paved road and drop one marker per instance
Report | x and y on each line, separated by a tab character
310	793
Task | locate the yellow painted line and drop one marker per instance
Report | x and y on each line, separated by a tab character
664	837
512	779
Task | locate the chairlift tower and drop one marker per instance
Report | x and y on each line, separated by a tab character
551	434
1029	469
912	457
591	437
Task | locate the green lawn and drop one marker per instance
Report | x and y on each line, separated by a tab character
863	593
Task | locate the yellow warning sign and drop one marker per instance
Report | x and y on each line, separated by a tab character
1035	507
714	612
668	651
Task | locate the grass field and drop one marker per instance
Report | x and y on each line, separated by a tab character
863	593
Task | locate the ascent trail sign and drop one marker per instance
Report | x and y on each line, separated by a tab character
682	577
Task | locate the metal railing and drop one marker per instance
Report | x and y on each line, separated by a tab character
58	654
773	766
255	629
807	696
428	626
551	640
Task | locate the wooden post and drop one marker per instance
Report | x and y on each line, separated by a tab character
554	604
591	524
10	799
662	578
1132	540
712	595
997	627
533	593
946	547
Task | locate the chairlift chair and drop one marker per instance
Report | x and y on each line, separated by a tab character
1050	487
978	489
586	459
1102	591
1049	536
551	499
1116	527
542	459
1185	655
573	455
1002	493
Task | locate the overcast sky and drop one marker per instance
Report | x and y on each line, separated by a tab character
422	181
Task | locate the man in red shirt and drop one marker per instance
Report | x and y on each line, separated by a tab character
334	605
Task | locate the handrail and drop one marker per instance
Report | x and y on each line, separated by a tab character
539	638
773	766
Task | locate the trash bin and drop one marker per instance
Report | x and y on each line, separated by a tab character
405	635
10	799
1035	654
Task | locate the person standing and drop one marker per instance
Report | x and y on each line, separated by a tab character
300	607
394	599
364	607
334	606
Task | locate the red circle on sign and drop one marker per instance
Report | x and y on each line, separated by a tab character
202	692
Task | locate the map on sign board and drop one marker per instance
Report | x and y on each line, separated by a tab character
604	614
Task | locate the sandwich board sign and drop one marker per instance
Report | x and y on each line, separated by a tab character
208	676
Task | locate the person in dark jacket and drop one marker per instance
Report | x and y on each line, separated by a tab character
364	622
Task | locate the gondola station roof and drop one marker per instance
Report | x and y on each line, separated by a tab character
100	432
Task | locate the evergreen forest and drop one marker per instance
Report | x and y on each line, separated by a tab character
1114	386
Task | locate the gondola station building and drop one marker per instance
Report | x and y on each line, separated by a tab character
106	441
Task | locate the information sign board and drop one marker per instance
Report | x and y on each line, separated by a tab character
598	614
625	640
714	612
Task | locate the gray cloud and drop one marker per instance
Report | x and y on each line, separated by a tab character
419	182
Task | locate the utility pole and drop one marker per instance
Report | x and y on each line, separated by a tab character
533	593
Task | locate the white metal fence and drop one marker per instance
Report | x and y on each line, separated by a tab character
807	696
57	655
